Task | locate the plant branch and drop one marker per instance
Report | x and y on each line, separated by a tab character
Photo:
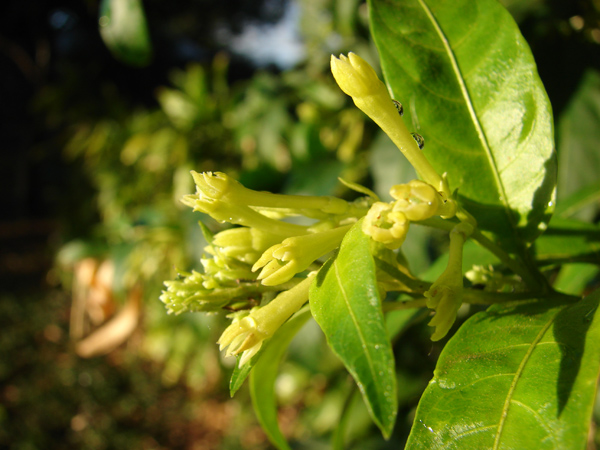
410	304
531	279
479	297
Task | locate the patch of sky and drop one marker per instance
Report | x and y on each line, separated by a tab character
265	44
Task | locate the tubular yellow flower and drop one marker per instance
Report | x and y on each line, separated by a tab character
282	261
220	186
226	200
240	214
385	225
445	295
246	336
358	79
244	244
416	199
419	201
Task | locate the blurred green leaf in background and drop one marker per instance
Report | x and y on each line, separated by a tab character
124	29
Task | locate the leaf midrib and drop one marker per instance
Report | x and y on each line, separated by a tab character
469	103
354	319
516	378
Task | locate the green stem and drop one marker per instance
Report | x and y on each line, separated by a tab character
414	284
478	297
529	276
531	279
395	306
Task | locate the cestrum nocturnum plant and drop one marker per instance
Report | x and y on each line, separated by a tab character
357	266
264	257
265	264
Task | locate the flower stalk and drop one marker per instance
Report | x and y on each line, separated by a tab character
446	294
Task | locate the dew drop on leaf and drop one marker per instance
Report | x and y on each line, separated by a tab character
419	139
399	107
446	384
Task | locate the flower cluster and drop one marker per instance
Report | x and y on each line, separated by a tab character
262	268
266	255
227	280
388	223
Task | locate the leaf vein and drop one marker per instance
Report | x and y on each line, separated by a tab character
469	103
355	321
511	391
538	418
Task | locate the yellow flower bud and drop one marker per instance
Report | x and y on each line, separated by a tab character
282	261
215	185
420	201
445	295
241	214
358	79
416	199
244	244
220	186
246	336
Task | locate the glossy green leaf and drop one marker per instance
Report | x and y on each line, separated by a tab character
568	240
470	87
345	302
579	135
264	373
514	377
124	30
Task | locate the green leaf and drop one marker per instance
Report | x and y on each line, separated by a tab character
264	373
568	240
579	135
396	322
125	32
574	278
345	302
469	86
515	377
578	200
239	374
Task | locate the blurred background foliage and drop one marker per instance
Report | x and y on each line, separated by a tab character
106	107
